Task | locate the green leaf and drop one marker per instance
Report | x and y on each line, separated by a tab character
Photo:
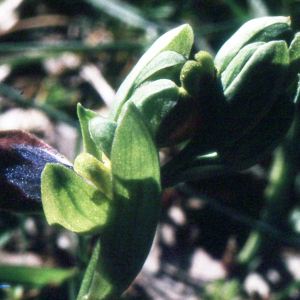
155	100
95	171
34	277
179	40
253	92
85	116
102	131
266	67
166	65
238	62
136	187
71	202
294	54
242	37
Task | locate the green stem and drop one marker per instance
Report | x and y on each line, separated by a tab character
95	285
213	135
89	273
181	162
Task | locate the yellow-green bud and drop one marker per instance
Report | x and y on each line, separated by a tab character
207	62
197	76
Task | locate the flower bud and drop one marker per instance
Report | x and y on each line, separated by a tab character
187	118
197	76
252	68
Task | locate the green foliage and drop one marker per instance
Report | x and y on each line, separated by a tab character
155	100
242	37
35	277
252	94
118	198
70	201
95	171
237	63
179	40
85	116
102	131
166	65
126	243
239	107
225	290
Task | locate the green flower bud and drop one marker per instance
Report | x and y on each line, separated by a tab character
174	114
187	117
252	68
197	76
207	62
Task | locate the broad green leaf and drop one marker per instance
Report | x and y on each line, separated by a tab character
179	40
34	277
267	66
85	116
95	171
238	62
166	65
259	84
155	100
102	131
136	187
242	37
71	202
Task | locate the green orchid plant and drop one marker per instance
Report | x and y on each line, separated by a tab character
222	114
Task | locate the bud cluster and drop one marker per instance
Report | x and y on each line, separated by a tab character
222	103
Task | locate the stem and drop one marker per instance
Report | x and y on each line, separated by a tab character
179	163
95	284
89	273
211	138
